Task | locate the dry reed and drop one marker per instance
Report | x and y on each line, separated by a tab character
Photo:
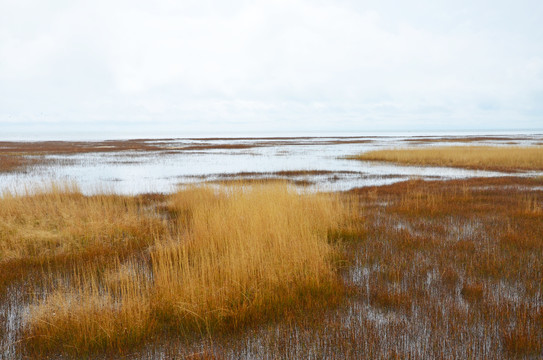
436	270
57	221
510	158
238	256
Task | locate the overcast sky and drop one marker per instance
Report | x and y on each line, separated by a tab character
186	67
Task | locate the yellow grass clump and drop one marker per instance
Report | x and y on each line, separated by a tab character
91	315
58	221
511	158
239	255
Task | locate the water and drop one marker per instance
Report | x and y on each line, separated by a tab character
133	172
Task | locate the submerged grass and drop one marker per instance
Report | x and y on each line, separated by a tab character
14	163
510	158
458	260
235	257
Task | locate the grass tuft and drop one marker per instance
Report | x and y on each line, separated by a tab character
57	221
510	158
239	256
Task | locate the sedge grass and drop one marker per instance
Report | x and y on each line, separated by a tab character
510	158
57	221
239	256
446	269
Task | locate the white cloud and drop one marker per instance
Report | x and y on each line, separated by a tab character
245	65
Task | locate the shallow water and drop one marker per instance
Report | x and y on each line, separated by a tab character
412	335
132	172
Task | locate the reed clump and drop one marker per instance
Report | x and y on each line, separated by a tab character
88	316
57	221
237	256
247	249
510	158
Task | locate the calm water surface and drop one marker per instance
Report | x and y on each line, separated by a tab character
132	172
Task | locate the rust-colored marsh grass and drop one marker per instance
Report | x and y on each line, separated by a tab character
510	158
461	259
9	163
236	256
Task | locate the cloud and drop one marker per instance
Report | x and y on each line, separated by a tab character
251	65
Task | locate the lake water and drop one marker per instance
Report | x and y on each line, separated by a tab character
132	172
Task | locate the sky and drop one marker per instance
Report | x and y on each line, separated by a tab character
174	68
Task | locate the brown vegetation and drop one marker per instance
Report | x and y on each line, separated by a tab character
10	163
389	299
283	173
430	269
474	157
164	145
472	292
73	147
296	177
217	146
460	242
239	256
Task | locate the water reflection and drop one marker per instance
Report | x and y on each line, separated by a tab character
194	160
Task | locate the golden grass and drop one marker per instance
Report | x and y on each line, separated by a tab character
436	269
266	243
57	221
89	316
238	256
509	158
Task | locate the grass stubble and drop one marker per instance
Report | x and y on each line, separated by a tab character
428	270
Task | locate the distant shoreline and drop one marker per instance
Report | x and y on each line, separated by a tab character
118	135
